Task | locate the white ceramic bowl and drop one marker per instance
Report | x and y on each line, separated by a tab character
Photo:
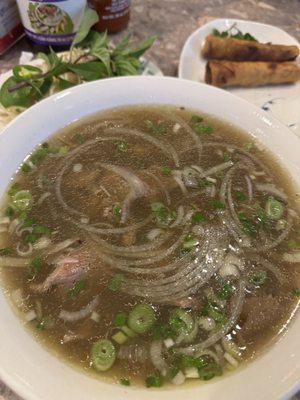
36	374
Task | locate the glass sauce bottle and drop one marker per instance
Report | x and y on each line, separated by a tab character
113	14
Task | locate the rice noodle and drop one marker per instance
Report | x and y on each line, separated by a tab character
218	168
271	189
179	218
249	188
161	186
72	316
62	246
43	197
177	175
156	356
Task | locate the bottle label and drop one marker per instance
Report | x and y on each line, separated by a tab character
53	22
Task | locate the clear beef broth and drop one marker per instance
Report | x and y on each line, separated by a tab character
210	253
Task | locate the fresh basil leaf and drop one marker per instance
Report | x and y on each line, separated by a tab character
103	54
97	40
89	71
64	84
23	97
59	69
25	72
90	18
123	44
126	67
144	46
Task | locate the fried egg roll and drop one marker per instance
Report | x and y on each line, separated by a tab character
245	50
246	74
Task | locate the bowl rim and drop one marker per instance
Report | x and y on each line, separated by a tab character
17	385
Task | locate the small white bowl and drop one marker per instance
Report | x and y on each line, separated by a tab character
36	374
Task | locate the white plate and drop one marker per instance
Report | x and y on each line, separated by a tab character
282	101
33	372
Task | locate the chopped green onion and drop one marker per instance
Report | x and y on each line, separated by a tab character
41	230
190	242
210	371
292	244
117	211
157	128
39	154
166	170
14	189
248	146
28	221
248	226
141	318
6	251
259	279
125	381
115	283
10	212
103	355
226	292
154	381
162	214
120	319
188	361
226	157
77	288
196	118
218	205
129	332
162	331
63	150
181	321
214	311
121	146
25	167
47	322
198	217
296	292
80	139
203	129
120	337
274	209
22	200
240	195
35	266
31	238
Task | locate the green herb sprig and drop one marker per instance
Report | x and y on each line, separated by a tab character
234	33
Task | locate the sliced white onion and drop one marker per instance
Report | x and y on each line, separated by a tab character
198	230
191	373
95	317
176	127
4	221
24	253
207	323
154	233
62	246
30	316
292	257
232	361
42	243
77	167
156	356
72	316
218	168
178	379
177	175
13	225
169	342
271	189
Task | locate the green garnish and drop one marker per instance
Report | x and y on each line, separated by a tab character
22	200
77	288
240	196
248	226
103	355
259	279
296	292
47	322
10	212
181	321
274	209
163	215
117	211
226	157
210	371
196	119
125	381
162	331
248	146
80	139
203	129
14	189
218	205
120	319
141	318
234	33
157	128
188	361
115	283
121	146
35	266
166	170
292	244
154	381
214	311
63	150
40	229
25	167
6	251
190	242
226	291
198	217
31	238
30	84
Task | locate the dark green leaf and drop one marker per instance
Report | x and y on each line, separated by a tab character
46	85
248	225
90	18
123	44
77	288
188	361
25	167
117	211
120	319
64	84
198	217
89	71
166	170
218	205
104	55
210	371
203	129
240	195
160	331
126	66
142	48
296	292
96	40
115	283
214	311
